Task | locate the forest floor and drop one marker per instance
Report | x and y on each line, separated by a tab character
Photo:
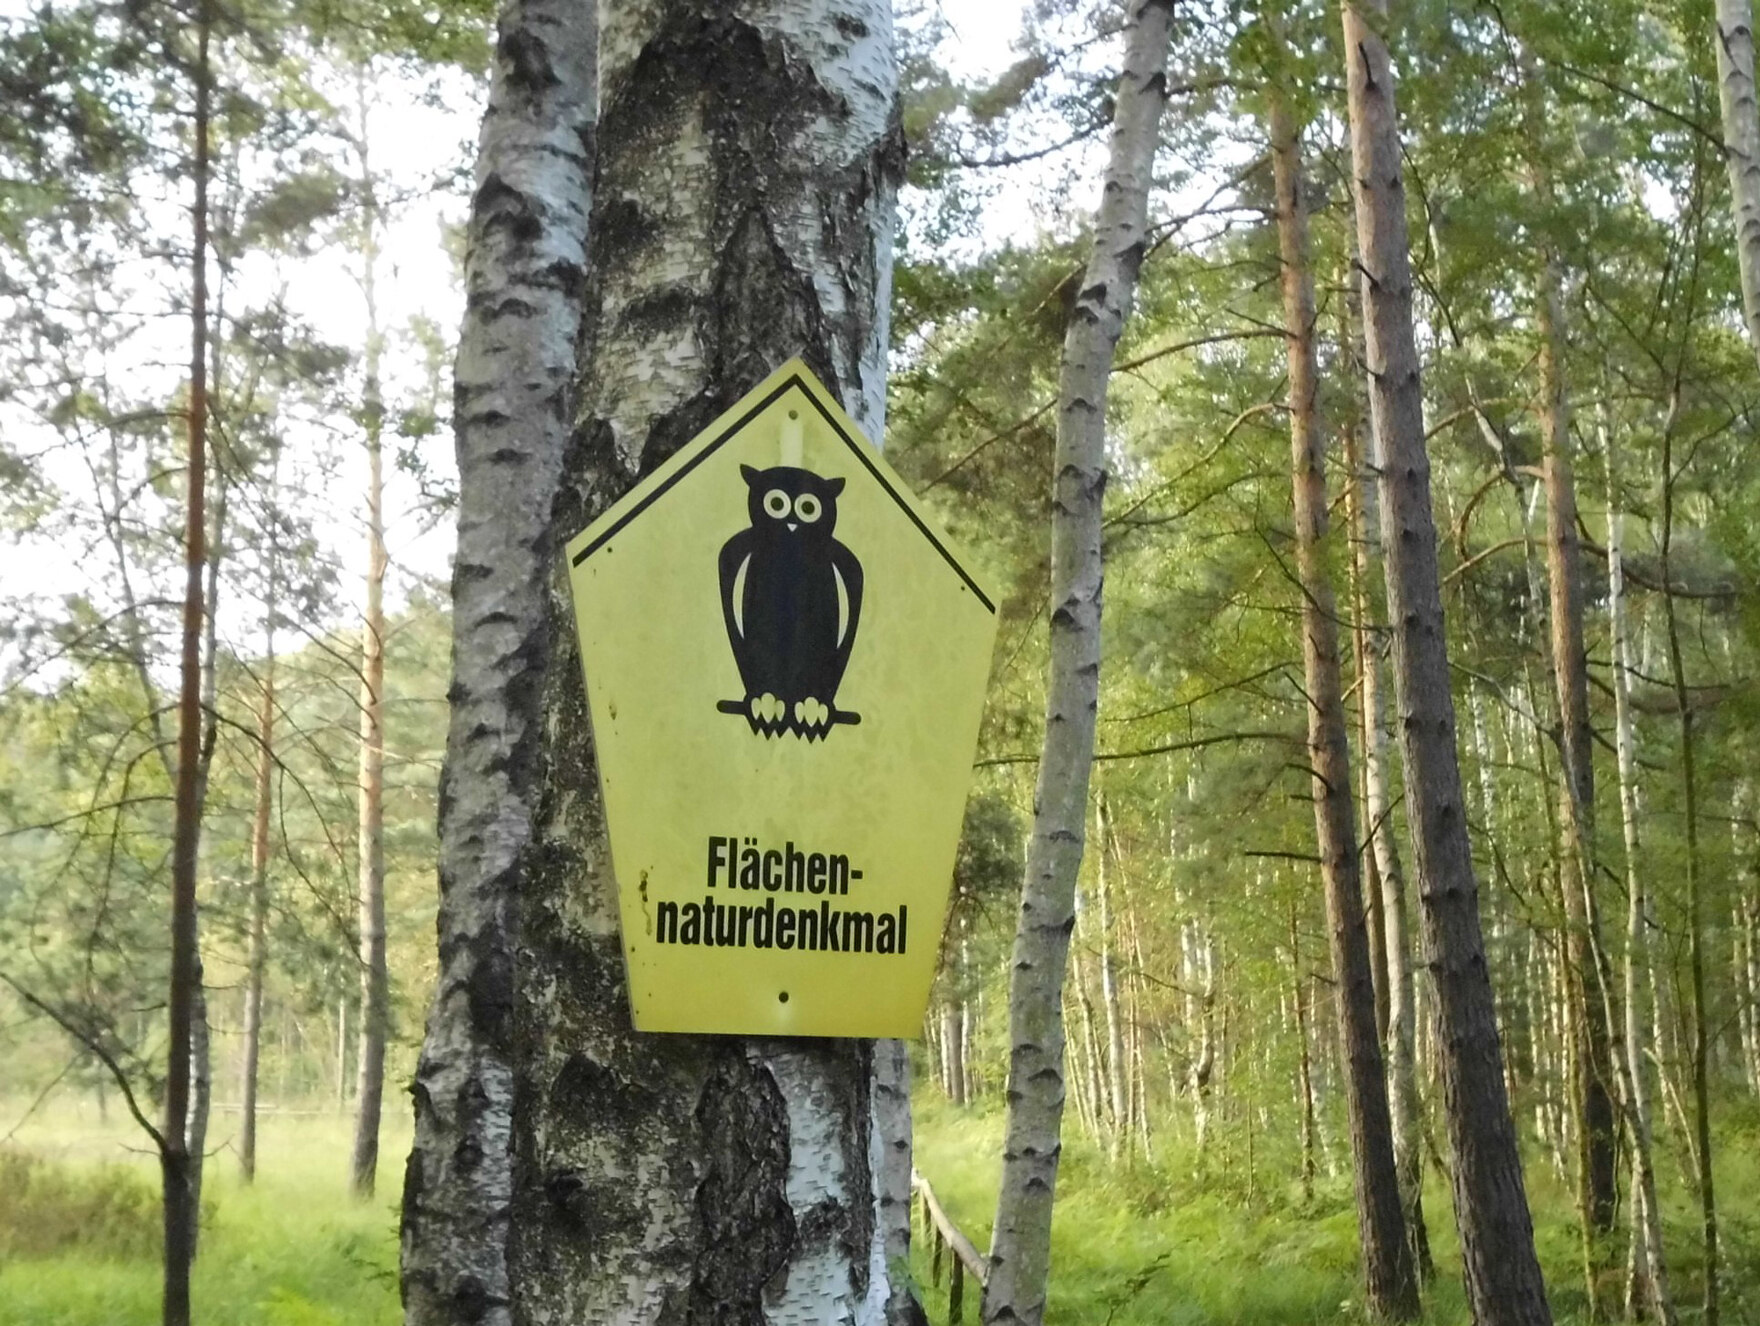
291	1250
1234	1244
1139	1244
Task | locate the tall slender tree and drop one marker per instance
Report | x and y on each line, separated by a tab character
180	1212
1504	1283
1388	1270
375	976
1020	1248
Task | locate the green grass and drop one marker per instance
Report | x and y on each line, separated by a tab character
291	1250
1145	1245
1155	1245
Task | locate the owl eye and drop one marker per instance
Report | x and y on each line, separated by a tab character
808	508
776	504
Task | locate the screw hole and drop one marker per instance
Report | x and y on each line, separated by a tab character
794	414
782	998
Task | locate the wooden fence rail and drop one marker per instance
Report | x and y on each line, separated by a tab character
944	1237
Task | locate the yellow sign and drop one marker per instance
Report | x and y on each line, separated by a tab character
785	668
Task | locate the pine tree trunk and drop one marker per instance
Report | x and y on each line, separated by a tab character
1391	1281
1020	1250
1405	1104
514	411
1741	146
1592	1061
1649	1263
174	1159
746	173
1504	1283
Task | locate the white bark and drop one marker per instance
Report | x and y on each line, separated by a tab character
514	406
374	975
1741	146
747	165
1020	1250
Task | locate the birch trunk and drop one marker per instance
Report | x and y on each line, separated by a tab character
1020	1249
1391	1283
1504	1283
375	979
514	408
747	166
1649	1264
1741	146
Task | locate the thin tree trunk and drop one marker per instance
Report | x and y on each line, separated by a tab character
375	979
1391	1282
341	1056
1701	1052
1020	1249
1592	1061
1646	1214
257	954
514	393
1405	1105
1119	1120
257	940
1304	1057
1504	1283
174	1160
747	167
1741	146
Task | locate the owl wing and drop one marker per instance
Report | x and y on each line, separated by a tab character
849	582
735	554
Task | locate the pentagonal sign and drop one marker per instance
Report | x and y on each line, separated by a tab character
785	664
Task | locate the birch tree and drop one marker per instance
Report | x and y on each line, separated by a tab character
747	164
1504	1284
1020	1249
514	394
1741	146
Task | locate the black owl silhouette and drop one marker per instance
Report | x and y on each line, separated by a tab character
791	595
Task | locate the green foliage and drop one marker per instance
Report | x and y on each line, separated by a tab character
292	1250
97	1212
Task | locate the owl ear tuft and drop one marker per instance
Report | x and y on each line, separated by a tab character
751	475
833	487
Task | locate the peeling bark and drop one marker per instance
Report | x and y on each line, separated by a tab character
747	165
513	403
1020	1250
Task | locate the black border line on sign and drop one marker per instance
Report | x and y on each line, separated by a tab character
858	448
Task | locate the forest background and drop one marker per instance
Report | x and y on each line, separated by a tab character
1576	150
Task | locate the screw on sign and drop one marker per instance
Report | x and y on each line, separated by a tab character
785	664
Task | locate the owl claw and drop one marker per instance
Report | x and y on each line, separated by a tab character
767	710
812	717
